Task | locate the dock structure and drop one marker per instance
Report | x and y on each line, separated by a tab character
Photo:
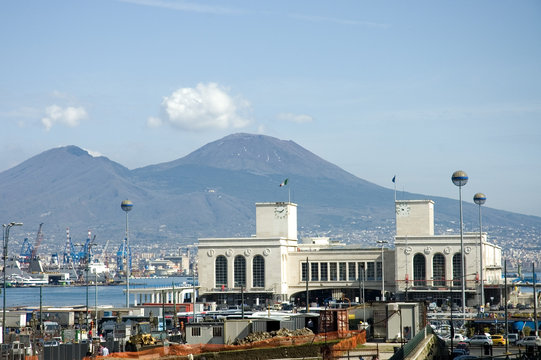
163	294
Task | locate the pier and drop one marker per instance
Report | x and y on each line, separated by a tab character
163	294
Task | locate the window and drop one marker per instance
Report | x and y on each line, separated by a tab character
304	271
342	267
333	270
324	275
196	331
457	270
351	271
378	270
239	271
217	331
221	271
314	271
438	269
370	271
258	271
419	270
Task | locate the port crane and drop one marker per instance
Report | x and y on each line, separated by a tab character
84	257
29	251
123	255
103	257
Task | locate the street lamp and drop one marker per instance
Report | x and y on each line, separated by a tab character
460	178
5	239
362	277
480	199
127	205
382	243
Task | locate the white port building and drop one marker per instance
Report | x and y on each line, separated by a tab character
273	265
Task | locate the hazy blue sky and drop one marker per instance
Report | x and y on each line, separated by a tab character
413	88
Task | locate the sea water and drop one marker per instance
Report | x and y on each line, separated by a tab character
76	295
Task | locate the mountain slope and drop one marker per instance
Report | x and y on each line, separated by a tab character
259	155
211	192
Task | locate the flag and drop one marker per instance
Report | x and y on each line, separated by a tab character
394	179
284	183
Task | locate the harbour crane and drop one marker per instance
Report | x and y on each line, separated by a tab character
26	251
103	257
29	251
69	249
39	239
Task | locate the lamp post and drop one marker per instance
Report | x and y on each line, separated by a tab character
505	301
87	269
460	178
452	329
127	205
382	243
193	291
307	294
5	240
96	301
480	199
361	290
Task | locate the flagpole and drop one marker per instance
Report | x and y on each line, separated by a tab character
394	183
288	194
285	183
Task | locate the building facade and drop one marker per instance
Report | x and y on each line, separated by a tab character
428	266
273	265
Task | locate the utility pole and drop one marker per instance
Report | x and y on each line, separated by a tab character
307	274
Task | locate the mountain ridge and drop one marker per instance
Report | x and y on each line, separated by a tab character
211	192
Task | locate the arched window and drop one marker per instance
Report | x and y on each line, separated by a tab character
419	270
221	271
239	271
457	270
438	269
258	271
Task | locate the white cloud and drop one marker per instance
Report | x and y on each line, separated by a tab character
297	118
207	106
70	116
154	121
326	19
185	6
94	153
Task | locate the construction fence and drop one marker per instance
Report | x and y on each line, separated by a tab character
317	345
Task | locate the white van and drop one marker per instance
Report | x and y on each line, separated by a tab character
512	338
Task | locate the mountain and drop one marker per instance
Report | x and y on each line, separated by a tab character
212	192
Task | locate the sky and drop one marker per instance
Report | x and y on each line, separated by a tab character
416	89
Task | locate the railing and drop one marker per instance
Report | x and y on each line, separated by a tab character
471	284
411	345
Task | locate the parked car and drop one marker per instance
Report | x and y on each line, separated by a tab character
51	343
467	357
480	340
462	348
512	338
529	341
456	339
498	340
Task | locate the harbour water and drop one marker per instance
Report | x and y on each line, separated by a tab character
76	295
